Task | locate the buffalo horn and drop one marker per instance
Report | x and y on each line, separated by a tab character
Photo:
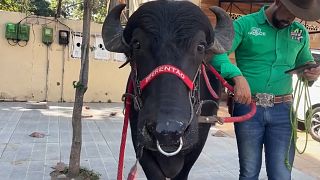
224	32
112	31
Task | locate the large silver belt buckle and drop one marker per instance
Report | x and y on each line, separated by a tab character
264	99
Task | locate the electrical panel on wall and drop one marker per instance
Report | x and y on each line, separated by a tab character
11	31
76	46
47	35
23	32
100	51
20	32
63	37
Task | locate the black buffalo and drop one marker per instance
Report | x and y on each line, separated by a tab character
164	114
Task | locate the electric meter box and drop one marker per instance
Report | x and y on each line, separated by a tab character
11	31
17	31
63	37
23	32
47	35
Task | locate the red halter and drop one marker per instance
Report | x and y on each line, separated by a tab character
166	68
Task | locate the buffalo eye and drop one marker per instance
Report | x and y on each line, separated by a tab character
136	44
201	48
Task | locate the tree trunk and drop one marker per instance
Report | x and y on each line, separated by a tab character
58	13
81	87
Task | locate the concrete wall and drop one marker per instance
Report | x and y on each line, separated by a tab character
39	72
23	70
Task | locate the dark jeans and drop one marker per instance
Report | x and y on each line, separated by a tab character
271	128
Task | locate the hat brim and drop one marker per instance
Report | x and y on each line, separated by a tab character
310	14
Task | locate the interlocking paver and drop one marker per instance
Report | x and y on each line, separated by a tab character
19	171
24	157
36	166
6	169
32	175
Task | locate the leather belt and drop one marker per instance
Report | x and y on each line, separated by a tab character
268	100
284	98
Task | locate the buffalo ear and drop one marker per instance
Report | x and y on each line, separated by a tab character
112	31
224	32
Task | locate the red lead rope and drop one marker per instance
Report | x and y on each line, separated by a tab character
223	81
206	80
124	133
242	118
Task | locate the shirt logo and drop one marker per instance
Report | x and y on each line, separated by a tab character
297	34
256	32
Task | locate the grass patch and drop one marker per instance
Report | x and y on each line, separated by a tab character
85	174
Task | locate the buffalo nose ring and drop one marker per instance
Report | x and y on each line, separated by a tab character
172	153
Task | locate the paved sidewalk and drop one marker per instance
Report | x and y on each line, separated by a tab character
25	157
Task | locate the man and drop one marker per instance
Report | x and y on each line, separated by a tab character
266	44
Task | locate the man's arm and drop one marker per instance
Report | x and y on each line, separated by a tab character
311	75
228	70
222	63
305	56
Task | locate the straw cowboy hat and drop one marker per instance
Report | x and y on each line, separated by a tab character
308	10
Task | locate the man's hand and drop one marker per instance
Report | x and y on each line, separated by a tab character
242	93
311	74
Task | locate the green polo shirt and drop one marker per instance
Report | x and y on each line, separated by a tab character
263	53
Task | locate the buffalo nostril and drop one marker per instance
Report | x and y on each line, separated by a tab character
169	132
170	127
